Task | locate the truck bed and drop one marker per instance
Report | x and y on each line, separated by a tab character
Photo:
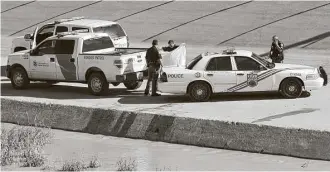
120	51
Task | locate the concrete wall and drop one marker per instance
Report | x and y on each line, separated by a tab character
208	133
209	30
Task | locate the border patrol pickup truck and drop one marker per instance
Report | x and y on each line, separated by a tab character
239	71
78	57
115	31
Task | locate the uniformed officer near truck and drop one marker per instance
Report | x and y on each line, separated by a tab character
276	51
153	63
171	46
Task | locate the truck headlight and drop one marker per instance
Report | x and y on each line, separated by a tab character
312	76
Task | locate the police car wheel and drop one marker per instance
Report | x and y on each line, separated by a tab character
19	78
133	85
199	92
97	84
291	88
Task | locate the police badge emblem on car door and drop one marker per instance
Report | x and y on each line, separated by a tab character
252	80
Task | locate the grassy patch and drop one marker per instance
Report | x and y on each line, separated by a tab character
75	165
24	146
126	165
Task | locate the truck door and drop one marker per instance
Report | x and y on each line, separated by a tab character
219	72
42	61
251	75
43	33
66	68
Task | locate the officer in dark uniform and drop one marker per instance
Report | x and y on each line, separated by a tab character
171	46
153	63
276	51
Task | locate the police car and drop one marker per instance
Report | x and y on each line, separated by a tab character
239	71
113	29
78	57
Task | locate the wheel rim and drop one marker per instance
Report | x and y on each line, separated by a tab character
292	89
18	79
96	84
199	92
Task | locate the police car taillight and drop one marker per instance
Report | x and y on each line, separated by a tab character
118	63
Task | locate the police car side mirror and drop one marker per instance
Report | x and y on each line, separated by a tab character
27	36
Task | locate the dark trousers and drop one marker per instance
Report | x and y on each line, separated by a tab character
153	72
277	59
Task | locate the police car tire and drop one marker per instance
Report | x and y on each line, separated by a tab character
199	86
133	85
103	81
285	90
25	79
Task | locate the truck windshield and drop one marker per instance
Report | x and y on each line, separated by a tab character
114	31
97	44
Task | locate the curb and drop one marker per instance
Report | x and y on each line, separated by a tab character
207	133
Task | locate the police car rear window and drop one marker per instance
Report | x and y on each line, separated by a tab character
97	44
193	62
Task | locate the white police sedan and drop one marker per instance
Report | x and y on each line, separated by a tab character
239	71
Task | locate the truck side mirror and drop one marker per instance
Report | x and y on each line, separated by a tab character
27	36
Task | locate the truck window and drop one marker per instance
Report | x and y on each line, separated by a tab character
44	33
79	28
60	29
97	44
46	47
114	31
219	64
64	46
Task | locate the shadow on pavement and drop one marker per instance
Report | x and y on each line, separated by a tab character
43	90
137	99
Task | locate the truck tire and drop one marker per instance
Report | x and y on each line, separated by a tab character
97	84
19	78
133	85
291	88
199	92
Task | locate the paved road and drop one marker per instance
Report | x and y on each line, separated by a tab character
151	155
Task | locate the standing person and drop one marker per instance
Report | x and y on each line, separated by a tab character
276	51
171	46
153	63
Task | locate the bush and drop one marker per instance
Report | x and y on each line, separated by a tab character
94	163
123	165
73	166
24	145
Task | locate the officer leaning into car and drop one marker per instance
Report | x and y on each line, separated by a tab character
171	46
276	51
153	63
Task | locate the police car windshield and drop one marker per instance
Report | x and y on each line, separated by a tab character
261	60
194	61
97	44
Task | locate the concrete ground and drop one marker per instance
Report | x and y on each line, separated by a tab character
157	155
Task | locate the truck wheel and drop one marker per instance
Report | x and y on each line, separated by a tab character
199	92
115	83
19	78
97	84
291	88
133	85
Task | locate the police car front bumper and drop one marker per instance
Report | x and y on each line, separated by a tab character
138	76
314	84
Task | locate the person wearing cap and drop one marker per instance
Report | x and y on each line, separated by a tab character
276	50
153	63
171	46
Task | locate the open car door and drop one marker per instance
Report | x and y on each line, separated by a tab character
175	58
34	38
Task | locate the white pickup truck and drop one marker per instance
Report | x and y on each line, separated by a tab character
115	31
78	57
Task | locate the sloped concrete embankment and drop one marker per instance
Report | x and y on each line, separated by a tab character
208	133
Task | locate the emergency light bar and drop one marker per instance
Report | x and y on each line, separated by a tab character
66	20
230	50
72	32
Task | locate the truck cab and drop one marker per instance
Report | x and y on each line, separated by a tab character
113	29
